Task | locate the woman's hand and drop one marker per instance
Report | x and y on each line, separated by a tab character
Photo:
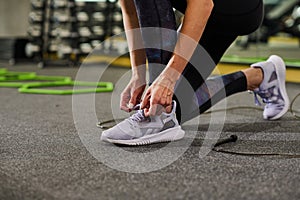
132	94
158	96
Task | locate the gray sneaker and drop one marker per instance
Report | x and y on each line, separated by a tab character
141	130
272	89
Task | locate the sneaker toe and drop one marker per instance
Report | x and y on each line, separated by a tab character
271	112
117	132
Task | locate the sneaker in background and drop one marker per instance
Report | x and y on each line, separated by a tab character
272	90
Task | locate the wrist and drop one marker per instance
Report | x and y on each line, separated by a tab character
168	78
174	68
139	72
170	74
166	81
138	79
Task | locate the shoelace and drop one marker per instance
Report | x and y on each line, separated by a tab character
265	96
256	100
138	116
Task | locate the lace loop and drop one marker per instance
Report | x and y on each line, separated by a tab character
138	116
257	102
266	96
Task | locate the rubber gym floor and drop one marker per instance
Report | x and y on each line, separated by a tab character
43	157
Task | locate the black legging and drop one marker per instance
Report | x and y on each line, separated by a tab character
229	19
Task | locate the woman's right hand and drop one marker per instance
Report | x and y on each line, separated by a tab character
132	94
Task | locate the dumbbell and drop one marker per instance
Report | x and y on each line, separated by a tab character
79	4
63	50
37	3
34	30
59	3
116	30
82	17
102	5
99	17
292	22
60	32
60	17
53	46
31	49
119	44
85	48
98	30
289	22
117	17
118	5
35	17
84	32
95	43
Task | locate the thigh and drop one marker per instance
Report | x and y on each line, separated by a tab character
240	21
222	29
231	7
231	16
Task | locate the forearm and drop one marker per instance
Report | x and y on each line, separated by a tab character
196	17
134	39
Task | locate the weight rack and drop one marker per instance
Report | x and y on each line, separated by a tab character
62	32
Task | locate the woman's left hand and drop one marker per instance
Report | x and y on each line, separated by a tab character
158	96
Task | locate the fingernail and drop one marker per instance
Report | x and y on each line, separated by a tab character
130	105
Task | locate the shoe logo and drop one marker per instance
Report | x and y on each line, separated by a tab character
166	119
169	124
273	77
149	124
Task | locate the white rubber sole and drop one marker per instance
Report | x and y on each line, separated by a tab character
171	134
281	73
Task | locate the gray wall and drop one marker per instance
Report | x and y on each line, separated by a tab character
14	18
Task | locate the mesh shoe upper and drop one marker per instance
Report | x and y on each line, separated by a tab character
138	125
272	90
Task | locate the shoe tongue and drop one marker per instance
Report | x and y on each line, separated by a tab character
138	116
269	75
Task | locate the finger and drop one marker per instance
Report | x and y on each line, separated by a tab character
169	104
145	100
152	110
153	105
169	100
139	98
156	109
133	100
163	100
147	107
124	101
169	97
146	112
132	103
125	108
160	109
